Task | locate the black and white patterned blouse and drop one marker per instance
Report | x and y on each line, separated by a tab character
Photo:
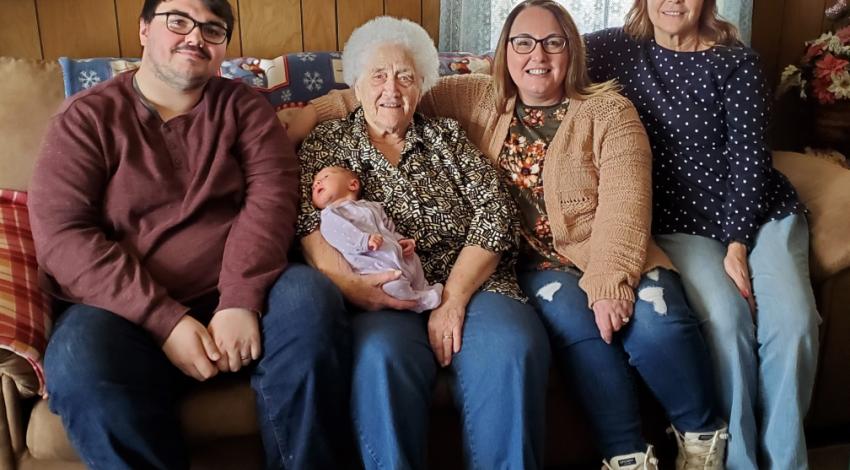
444	193
705	113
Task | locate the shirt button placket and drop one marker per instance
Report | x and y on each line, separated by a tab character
173	148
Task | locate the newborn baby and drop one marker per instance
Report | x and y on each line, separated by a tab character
364	235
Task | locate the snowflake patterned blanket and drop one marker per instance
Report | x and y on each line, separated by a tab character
288	81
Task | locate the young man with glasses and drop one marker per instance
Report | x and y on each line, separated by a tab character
163	207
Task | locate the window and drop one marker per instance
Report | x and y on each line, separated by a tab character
474	25
589	15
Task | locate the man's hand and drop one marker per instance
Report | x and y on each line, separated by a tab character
738	268
191	349
375	241
365	291
408	246
611	315
445	330
236	332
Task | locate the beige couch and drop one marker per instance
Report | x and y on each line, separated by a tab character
219	417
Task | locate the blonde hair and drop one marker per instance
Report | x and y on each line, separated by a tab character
712	27
577	82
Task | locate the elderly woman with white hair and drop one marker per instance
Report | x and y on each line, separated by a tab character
442	192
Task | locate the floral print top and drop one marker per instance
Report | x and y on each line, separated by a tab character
521	161
443	193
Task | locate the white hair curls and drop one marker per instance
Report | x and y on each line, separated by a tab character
388	30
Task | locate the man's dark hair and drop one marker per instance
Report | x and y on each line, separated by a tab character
219	8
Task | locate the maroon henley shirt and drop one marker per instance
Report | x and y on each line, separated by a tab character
141	217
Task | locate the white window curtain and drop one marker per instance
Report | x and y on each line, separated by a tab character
474	25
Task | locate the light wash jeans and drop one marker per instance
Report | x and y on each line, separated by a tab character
662	341
498	380
765	369
118	393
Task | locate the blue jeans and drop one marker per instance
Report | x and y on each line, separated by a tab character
664	346
117	392
765	370
499	384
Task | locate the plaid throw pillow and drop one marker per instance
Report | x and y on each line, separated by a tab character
25	320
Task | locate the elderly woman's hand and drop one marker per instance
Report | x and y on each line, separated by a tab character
366	291
445	330
611	315
298	122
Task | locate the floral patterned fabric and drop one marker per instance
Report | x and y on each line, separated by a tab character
521	161
443	193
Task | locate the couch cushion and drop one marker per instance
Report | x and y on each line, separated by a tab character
25	320
824	187
30	92
223	407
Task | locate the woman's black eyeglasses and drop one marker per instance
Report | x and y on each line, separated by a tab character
552	44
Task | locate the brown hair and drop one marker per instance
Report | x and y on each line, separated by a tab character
712	28
219	8
577	83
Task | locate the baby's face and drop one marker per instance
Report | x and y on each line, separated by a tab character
332	184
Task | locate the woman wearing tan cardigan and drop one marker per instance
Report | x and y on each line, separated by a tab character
576	160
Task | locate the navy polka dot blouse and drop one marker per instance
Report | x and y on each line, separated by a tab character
706	116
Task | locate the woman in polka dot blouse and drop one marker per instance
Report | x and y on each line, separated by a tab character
730	222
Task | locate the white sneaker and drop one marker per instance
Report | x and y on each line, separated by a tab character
637	461
701	450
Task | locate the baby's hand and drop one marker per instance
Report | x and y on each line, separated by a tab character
375	241
408	245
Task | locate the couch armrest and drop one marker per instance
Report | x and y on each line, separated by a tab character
17	380
824	187
830	409
20	372
11	423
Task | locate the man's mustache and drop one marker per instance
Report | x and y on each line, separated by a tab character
196	49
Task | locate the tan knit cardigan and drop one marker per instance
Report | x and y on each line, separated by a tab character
596	180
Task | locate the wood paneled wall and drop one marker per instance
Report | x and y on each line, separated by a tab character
780	27
268	28
47	29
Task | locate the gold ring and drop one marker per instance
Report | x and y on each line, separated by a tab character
447	336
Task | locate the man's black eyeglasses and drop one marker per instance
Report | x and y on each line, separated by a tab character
181	23
552	44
